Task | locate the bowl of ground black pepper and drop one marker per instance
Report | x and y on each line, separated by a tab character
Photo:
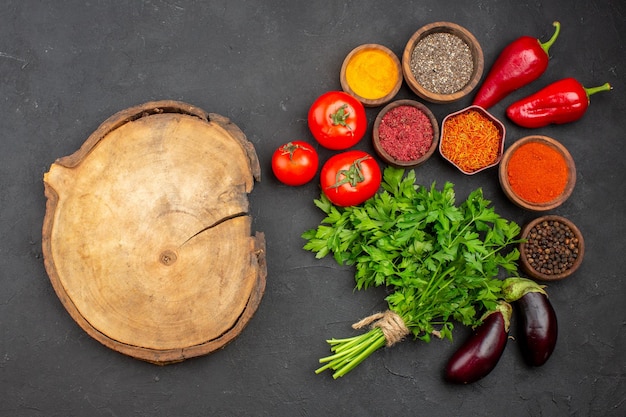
552	249
372	73
405	133
442	62
537	173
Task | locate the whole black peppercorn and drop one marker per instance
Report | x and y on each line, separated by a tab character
551	247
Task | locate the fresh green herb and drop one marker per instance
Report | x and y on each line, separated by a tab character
441	261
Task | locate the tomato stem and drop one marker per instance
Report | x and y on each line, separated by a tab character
290	148
353	175
340	116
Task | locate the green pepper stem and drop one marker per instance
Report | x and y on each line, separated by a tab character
593	90
546	45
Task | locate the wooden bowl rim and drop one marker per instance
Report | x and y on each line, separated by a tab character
491	117
554	144
368	102
522	246
390	159
454	29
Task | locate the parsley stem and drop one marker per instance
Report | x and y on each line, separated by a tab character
375	342
436	279
350	352
342	350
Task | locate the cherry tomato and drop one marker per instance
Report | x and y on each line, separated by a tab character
349	178
295	163
337	120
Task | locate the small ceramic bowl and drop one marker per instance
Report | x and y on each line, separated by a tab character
476	51
447	138
378	70
553	248
535	204
386	153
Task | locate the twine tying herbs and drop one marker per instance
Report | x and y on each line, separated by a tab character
390	323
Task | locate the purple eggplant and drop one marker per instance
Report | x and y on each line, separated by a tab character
539	327
482	350
538	323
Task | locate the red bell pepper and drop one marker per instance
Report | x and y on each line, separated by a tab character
563	101
521	62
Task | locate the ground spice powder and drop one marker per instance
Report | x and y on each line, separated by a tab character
471	141
537	172
405	133
371	73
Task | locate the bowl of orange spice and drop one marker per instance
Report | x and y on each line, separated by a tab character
537	173
472	139
372	73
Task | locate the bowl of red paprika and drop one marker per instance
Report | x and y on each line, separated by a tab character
442	62
472	139
405	133
537	173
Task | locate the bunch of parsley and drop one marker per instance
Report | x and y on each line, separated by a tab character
440	261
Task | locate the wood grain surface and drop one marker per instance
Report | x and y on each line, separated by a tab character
147	235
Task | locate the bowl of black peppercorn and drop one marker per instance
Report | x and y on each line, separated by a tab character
552	248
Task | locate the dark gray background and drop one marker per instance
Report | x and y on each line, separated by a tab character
65	66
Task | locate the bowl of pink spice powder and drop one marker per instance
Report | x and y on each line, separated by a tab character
405	134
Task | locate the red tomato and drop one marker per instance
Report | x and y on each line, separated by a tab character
337	120
349	178
295	163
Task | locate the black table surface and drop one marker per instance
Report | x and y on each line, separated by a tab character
66	66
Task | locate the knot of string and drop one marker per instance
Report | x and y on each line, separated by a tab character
389	322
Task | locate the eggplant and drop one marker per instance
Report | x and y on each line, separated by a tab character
539	328
480	353
538	324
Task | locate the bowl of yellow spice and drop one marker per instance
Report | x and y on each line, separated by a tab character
372	73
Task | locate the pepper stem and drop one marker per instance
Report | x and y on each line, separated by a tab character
593	90
546	45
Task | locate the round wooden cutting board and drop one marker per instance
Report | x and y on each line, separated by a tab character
147	235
